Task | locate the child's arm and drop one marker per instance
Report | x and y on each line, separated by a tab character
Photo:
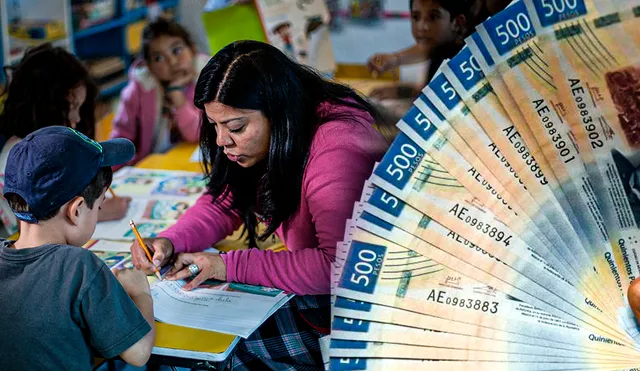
126	118
186	115
401	90
114	208
136	285
116	322
386	62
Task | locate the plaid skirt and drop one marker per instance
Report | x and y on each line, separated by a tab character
288	340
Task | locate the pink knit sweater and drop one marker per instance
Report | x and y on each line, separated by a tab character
341	158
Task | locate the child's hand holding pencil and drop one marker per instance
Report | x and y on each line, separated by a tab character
133	281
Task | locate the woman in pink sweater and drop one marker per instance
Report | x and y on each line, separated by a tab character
283	146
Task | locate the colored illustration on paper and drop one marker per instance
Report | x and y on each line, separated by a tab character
149	230
137	184
165	209
181	186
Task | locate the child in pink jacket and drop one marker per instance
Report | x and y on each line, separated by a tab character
156	108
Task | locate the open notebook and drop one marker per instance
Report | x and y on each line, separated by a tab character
171	340
226	307
206	323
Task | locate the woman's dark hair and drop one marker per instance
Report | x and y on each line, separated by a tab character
257	76
163	27
38	93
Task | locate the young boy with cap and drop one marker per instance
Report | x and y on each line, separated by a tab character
59	304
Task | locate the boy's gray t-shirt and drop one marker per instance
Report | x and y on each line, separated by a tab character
59	307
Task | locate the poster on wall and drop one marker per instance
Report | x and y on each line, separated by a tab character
300	28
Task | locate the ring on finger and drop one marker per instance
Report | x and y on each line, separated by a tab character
193	269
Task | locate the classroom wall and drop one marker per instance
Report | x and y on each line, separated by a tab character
354	41
190	16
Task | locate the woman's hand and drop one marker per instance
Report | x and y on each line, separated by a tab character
114	208
162	250
210	265
380	63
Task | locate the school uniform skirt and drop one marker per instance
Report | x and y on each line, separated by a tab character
288	340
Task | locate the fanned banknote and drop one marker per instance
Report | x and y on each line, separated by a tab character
500	229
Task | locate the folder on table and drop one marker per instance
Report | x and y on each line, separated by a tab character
185	342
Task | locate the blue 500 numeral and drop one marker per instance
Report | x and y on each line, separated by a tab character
551	12
513	28
419	122
470	68
362	268
384	201
444	91
510	28
401	161
558	6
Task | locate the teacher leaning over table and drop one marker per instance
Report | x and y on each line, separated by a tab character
286	147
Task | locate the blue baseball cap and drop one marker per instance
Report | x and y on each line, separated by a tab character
54	164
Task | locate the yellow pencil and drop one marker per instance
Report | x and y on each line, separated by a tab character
112	193
144	247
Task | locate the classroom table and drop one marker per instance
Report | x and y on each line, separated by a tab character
176	158
169	336
365	86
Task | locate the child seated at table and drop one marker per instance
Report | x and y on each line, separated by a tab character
50	86
439	28
156	108
476	12
61	305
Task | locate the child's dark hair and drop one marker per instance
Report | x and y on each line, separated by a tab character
455	8
38	93
163	27
91	193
